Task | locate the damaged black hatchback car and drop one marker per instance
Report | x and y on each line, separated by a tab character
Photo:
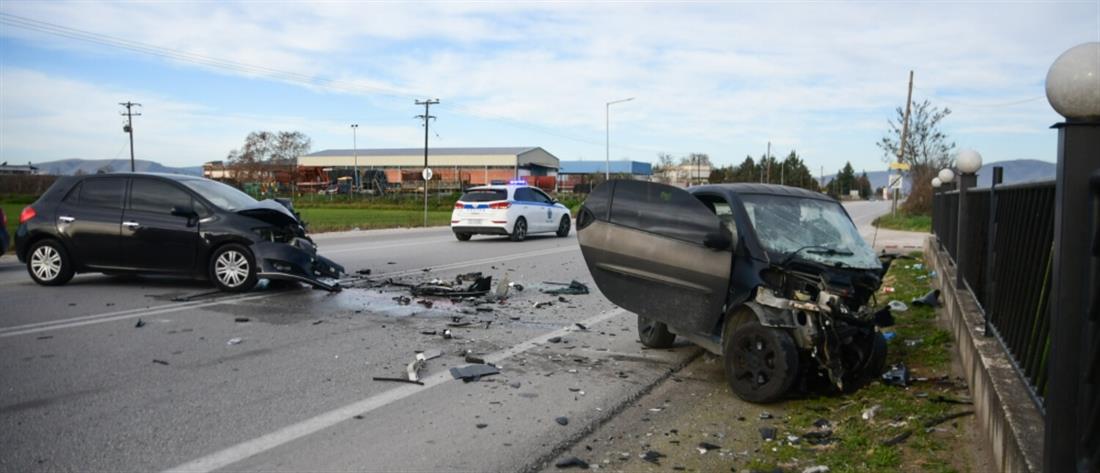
167	224
775	279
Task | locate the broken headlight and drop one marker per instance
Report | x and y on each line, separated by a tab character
273	234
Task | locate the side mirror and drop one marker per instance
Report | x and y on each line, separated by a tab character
188	213
719	240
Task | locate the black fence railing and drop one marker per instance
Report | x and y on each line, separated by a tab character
1014	290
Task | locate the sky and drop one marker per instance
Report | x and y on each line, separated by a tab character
721	78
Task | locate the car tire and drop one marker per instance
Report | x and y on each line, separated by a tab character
519	230
232	268
49	264
462	236
654	334
762	363
563	227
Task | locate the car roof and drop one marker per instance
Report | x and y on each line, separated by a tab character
742	188
174	177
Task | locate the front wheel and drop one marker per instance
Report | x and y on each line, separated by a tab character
563	227
232	268
49	264
761	362
519	230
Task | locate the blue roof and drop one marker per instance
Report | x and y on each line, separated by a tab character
591	167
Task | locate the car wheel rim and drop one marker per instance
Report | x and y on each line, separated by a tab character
231	268
46	263
564	227
522	230
755	362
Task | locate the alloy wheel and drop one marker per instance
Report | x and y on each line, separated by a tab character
231	268
46	263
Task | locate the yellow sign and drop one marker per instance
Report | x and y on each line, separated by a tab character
902	166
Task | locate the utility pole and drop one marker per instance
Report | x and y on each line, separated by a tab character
904	133
426	173
355	149
129	128
768	159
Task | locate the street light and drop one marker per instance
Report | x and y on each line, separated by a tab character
355	150
607	124
936	182
946	176
1073	89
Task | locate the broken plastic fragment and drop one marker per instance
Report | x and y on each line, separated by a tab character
573	288
139	324
767	433
233	341
562	420
572	462
932	299
160	362
898	375
473	372
816	469
242	320
869	414
705	447
554	339
653	457
898	306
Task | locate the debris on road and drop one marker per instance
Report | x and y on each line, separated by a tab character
869	413
932	299
898	306
403	300
317	322
242	320
436	287
897	375
572	462
234	341
140	323
447	334
705	447
816	469
539	305
581	326
653	457
397	380
473	372
363	272
574	287
554	339
768	433
160	362
562	420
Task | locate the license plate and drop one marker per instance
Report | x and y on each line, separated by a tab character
474	221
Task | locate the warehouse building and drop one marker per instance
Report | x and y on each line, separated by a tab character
463	166
577	176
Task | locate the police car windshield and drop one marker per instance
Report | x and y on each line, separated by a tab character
484	195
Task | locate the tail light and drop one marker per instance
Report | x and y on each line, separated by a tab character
28	213
3	219
459	205
500	205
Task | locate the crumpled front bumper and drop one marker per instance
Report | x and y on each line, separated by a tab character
296	261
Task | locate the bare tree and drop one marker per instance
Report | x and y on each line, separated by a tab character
927	150
665	165
265	152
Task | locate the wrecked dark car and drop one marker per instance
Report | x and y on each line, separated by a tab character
167	224
775	279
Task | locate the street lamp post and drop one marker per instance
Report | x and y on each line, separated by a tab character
946	176
1070	440
607	125
355	150
968	162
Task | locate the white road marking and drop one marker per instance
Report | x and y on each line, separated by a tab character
176	307
328	419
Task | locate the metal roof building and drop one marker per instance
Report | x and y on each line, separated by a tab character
637	168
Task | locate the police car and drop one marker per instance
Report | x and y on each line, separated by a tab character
515	210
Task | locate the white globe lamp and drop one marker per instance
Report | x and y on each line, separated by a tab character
1073	83
968	161
936	182
946	176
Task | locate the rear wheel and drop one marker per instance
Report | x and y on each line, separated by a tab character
462	236
232	268
654	334
48	263
761	362
519	230
563	227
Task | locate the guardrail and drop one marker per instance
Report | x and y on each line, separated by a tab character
1010	233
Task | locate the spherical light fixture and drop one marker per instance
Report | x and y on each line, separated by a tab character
968	161
1073	82
946	176
936	182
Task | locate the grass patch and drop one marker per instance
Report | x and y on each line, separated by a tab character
905	221
12	211
344	218
926	350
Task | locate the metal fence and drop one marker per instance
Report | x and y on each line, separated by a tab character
1010	274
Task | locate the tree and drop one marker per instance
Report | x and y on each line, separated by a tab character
265	153
927	150
846	179
864	186
746	172
696	163
666	164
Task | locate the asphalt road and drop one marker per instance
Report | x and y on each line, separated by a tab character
84	389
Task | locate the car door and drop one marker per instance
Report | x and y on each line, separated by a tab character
525	200
154	238
89	219
546	210
657	251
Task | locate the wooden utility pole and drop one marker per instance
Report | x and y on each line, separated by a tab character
425	173
129	128
904	133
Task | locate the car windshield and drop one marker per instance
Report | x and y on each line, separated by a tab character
818	230
221	195
484	195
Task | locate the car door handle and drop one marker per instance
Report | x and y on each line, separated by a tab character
66	219
131	224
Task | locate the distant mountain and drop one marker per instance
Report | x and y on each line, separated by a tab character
68	167
1016	170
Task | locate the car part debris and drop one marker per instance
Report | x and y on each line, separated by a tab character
396	380
233	341
474	372
765	415
898	306
539	305
429	332
816	469
554	339
318	322
517	286
914	342
822	423
819	437
479	287
883	318
140	323
898	375
447	334
242	320
426	303
502	288
413	369
562	420
475	359
160	362
653	457
581	326
768	433
403	300
572	462
573	288
363	272
869	413
705	447
897	439
932	299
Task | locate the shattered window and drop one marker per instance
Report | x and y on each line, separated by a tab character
484	195
819	228
663	210
221	195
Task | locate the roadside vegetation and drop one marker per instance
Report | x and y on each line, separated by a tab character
906	221
909	429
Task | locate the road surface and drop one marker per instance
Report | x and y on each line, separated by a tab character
85	389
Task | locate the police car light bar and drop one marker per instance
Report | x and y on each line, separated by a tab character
518	182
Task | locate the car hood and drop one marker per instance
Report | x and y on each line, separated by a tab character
271	212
